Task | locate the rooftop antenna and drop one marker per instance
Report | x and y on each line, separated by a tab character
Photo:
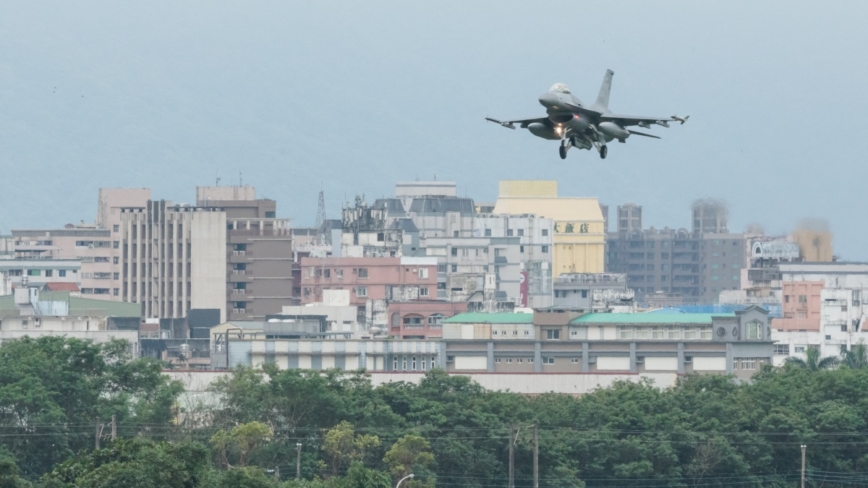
321	216
240	179
217	174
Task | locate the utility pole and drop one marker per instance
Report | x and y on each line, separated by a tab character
535	456
511	456
98	432
803	465
277	474
114	428
298	460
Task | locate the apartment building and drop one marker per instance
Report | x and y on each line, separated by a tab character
259	255
686	266
372	282
823	307
38	272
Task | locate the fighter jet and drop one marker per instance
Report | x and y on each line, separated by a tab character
568	120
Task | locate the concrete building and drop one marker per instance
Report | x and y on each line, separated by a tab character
629	218
568	342
421	319
594	292
85	243
173	258
259	254
761	280
535	241
578	235
676	266
32	313
39	272
372	282
823	307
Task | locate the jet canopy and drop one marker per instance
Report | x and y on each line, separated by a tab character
559	88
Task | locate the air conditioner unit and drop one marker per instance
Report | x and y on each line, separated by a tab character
688	359
592	360
640	359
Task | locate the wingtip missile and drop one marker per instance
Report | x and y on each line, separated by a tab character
508	125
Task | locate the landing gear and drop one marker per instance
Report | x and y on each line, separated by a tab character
603	151
563	152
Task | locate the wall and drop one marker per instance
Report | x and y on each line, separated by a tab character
208	261
526	384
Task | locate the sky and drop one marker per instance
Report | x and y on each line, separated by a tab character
350	97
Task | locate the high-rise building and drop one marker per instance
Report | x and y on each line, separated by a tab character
173	258
685	267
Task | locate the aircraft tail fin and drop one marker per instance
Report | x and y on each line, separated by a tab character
605	88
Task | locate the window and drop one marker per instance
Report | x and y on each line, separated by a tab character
553	334
548	360
436	319
49	272
441	268
115	291
519	360
545	249
527	332
574	360
423	291
363	272
115	260
748	364
496	360
799	349
423	273
454	268
509	233
62	272
413	321
803	299
339	273
116	276
754	330
455	251
705	333
454	233
625	332
657	333
508	360
116	244
530	360
34	272
116	228
487	232
381	236
545	232
520	232
782	350
361	291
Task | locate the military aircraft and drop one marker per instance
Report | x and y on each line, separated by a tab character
575	125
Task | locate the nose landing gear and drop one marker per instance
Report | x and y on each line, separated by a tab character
603	151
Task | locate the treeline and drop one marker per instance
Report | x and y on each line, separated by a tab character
340	432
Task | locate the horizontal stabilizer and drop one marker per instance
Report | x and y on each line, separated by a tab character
642	134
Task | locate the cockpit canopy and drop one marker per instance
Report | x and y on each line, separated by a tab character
560	88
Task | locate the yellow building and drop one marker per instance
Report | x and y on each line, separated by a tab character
579	239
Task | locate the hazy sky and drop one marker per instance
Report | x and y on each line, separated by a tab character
353	96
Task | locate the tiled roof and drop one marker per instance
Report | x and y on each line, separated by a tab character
490	318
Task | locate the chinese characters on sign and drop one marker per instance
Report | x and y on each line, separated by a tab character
570	228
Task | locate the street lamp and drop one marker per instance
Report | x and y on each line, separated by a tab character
402	480
298	461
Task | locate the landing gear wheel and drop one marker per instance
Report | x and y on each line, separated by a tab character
603	151
563	152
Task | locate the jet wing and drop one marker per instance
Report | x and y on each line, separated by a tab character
626	120
510	124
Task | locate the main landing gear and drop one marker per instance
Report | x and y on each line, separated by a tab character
603	151
566	144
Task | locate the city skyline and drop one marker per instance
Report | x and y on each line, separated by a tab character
96	94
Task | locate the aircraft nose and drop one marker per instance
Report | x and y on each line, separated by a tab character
548	99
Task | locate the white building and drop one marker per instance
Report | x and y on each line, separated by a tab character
31	313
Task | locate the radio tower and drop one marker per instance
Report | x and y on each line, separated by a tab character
321	217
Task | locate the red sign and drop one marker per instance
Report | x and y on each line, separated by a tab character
522	289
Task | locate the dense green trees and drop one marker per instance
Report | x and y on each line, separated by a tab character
706	431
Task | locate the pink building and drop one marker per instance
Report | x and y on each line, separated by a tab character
421	319
369	279
800	306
